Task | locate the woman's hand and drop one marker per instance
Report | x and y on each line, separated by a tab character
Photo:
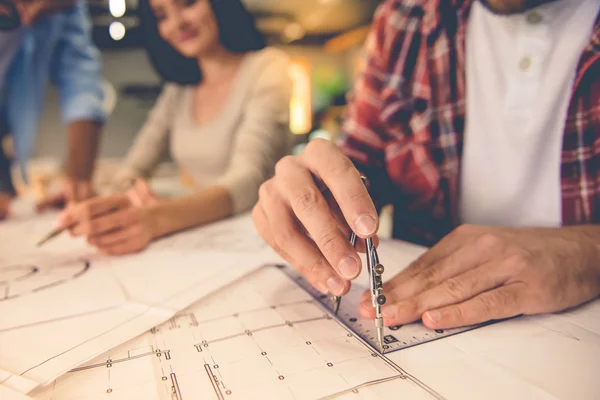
117	224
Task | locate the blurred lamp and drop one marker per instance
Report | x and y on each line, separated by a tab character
301	103
117	30
292	32
117	8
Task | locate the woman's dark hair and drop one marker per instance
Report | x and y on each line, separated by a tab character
237	32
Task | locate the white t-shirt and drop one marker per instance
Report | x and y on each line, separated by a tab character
520	74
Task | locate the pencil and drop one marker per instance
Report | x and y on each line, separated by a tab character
56	232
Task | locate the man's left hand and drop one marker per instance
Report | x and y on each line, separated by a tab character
477	274
72	192
31	11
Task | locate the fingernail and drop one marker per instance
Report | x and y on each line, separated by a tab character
349	268
322	288
433	316
365	225
336	286
60	222
389	312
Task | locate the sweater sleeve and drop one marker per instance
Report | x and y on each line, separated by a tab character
263	136
151	143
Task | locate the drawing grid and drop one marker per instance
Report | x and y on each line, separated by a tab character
262	337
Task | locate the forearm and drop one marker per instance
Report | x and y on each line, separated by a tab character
84	138
6	184
174	215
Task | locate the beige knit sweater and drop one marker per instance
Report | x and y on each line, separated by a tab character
238	149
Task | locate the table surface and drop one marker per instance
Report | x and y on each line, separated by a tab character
540	357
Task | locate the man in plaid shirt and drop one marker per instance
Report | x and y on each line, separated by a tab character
480	122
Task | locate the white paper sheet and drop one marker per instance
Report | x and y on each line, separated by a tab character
261	337
115	300
541	357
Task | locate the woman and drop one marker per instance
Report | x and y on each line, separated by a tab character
226	131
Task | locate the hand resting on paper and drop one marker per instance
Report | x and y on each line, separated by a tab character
480	273
117	224
473	275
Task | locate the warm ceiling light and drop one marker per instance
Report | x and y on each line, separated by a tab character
293	31
117	8
301	102
117	31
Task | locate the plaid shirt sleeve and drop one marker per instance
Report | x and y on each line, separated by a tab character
386	133
364	135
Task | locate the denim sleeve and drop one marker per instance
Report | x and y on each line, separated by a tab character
77	70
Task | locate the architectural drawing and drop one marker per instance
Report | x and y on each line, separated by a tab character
261	337
20	279
395	338
73	303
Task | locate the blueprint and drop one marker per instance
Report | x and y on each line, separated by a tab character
261	337
65	304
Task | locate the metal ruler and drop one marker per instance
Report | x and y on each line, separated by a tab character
395	338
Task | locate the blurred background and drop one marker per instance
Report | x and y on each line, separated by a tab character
324	38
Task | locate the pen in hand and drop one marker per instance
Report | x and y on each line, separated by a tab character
122	188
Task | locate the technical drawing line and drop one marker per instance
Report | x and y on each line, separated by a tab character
60	319
175	386
214	382
110	362
34	270
373	350
264	328
294	303
362	385
112	328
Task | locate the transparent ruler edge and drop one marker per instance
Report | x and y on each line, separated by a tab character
394	343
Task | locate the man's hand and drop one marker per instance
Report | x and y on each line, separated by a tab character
31	11
5	200
477	274
72	192
115	225
305	213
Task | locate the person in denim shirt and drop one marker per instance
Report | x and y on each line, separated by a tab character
45	40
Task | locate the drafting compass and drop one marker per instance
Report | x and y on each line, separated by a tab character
375	270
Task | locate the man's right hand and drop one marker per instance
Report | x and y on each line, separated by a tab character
306	212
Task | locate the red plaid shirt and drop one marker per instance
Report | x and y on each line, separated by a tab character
406	119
